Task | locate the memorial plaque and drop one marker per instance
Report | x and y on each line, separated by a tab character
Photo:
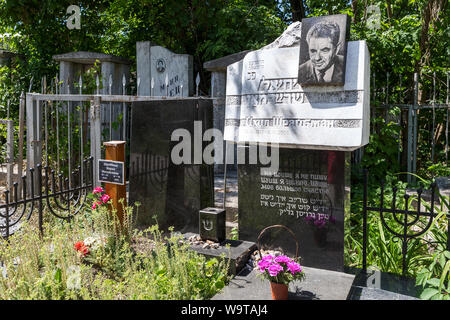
266	104
309	195
111	172
314	126
172	193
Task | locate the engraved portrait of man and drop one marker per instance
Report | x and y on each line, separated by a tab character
324	47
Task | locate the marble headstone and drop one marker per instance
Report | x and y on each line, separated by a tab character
315	127
309	194
172	193
164	67
266	104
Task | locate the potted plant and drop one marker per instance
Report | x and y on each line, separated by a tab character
280	271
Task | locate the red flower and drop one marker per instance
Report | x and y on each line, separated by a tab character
105	198
81	247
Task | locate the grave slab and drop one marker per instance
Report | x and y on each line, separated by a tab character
237	250
266	104
160	64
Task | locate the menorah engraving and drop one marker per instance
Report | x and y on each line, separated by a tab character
150	169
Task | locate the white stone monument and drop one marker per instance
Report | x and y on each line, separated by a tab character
172	73
265	104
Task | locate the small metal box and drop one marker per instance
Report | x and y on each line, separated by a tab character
212	224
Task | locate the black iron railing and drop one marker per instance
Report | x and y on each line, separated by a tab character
406	220
61	198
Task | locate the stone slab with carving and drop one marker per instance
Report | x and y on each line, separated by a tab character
265	103
161	65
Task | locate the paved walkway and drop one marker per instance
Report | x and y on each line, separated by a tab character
319	285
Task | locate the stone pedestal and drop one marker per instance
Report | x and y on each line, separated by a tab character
237	251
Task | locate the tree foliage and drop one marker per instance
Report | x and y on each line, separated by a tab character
412	36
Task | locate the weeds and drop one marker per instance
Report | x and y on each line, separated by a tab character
50	266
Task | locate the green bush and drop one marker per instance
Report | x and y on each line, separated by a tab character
384	251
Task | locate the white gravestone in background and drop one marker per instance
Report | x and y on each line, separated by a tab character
161	65
265	104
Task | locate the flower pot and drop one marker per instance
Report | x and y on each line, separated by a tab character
279	291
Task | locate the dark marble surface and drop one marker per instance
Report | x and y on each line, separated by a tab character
173	193
311	184
376	285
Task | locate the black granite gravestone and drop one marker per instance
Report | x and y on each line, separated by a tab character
309	195
173	193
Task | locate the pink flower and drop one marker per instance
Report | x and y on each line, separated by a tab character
282	259
105	198
263	265
267	258
294	267
98	190
94	206
274	269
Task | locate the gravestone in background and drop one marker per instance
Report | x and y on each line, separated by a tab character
159	63
114	68
172	193
315	128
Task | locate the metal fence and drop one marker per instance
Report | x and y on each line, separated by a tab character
11	157
60	198
421	124
64	128
6	169
407	224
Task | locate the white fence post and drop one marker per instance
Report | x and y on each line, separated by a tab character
96	131
34	135
20	146
10	152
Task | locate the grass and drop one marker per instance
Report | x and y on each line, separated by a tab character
143	265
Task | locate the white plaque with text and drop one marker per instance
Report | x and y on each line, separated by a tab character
265	104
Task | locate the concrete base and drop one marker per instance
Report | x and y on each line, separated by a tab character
318	285
321	284
238	251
